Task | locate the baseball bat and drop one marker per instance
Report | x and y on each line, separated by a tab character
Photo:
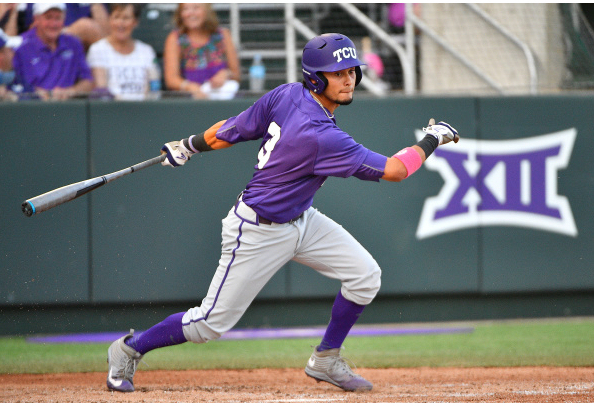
67	193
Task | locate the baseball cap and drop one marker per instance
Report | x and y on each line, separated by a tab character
8	41
40	8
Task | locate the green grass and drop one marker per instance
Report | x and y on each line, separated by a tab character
556	343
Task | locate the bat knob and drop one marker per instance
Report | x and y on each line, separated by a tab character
27	208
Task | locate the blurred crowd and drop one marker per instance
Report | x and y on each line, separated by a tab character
60	51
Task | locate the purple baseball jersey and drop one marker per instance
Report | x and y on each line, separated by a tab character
36	65
301	147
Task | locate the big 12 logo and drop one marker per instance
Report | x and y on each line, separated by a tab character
500	183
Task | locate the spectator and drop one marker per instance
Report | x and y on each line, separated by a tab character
9	18
8	41
393	73
199	57
397	16
49	63
87	21
374	64
120	63
6	71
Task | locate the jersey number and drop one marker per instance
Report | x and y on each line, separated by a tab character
266	150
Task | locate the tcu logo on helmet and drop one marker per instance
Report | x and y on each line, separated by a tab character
500	183
347	52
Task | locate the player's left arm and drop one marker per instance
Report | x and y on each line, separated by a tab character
249	125
179	152
406	161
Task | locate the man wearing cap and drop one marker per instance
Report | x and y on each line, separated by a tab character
49	63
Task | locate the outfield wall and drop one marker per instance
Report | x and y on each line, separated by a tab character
501	214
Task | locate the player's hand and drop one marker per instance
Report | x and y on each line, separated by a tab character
177	154
442	131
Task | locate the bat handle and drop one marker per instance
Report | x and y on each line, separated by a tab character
28	208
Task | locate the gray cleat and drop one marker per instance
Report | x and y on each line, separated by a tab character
122	360
328	366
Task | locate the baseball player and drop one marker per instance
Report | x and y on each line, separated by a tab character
273	221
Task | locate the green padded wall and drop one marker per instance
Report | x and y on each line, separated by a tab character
44	259
154	236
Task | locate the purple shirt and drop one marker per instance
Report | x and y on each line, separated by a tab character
301	147
36	65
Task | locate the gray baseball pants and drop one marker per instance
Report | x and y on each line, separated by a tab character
252	253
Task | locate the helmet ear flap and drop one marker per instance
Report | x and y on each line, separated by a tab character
358	75
323	79
320	82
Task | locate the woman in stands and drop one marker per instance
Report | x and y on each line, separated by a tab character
199	57
122	65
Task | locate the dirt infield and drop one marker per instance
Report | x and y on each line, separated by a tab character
493	385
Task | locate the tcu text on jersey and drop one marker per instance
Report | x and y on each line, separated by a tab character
347	52
500	183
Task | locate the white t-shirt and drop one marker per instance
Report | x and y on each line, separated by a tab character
127	75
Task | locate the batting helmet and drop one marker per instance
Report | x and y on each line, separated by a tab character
328	53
